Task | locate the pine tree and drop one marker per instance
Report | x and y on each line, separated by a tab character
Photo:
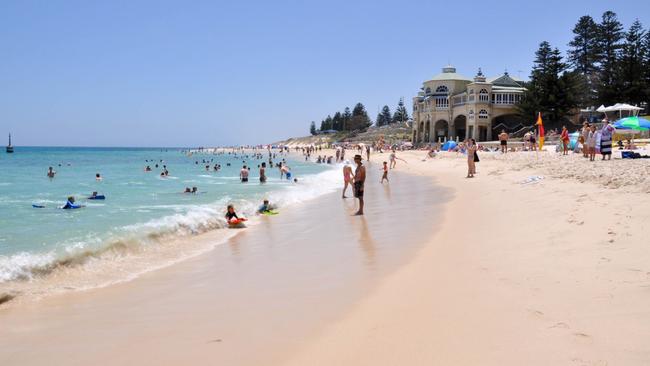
360	120
401	115
312	128
337	121
583	55
347	116
328	122
384	117
610	35
551	88
323	126
631	66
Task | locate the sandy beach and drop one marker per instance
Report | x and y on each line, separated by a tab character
442	270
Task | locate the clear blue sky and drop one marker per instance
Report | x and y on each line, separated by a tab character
190	73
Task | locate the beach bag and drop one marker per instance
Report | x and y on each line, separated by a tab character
476	159
627	154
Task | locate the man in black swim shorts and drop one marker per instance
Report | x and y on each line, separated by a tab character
359	181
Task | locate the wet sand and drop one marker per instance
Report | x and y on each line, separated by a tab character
256	299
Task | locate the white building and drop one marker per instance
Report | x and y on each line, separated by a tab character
451	106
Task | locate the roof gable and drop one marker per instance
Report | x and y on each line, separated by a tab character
505	80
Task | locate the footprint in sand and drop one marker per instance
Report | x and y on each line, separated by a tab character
581	335
560	325
535	313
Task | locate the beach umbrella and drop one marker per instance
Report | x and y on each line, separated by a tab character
448	145
633	123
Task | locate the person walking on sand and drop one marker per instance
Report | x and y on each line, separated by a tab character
385	175
347	177
564	138
471	165
359	181
368	152
503	140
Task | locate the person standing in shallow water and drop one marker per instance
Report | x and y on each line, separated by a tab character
263	173
359	181
347	177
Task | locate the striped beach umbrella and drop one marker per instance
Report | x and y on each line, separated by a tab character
633	123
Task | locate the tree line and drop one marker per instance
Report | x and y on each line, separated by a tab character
358	120
604	64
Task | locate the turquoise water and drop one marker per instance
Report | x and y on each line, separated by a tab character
141	208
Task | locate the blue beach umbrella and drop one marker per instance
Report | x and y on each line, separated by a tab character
632	123
448	145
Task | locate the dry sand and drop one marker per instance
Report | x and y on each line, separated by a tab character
483	271
553	272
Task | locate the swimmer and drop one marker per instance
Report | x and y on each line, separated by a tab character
51	172
195	190
98	177
187	190
70	204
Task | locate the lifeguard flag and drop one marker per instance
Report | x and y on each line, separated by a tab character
541	130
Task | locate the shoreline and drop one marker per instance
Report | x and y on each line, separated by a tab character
147	248
496	270
290	272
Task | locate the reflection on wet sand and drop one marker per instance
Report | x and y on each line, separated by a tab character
293	272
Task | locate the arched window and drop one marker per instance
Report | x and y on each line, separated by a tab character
483	95
471	114
483	114
442	89
428	91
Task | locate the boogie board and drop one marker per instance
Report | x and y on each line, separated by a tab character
237	222
270	213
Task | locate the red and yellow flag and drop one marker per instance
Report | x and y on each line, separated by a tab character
541	130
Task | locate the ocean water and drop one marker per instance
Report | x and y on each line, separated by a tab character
142	213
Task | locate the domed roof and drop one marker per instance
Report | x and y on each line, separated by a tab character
449	73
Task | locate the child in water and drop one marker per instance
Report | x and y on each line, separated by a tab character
265	207
231	214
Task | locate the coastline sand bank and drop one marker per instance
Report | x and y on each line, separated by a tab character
253	300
